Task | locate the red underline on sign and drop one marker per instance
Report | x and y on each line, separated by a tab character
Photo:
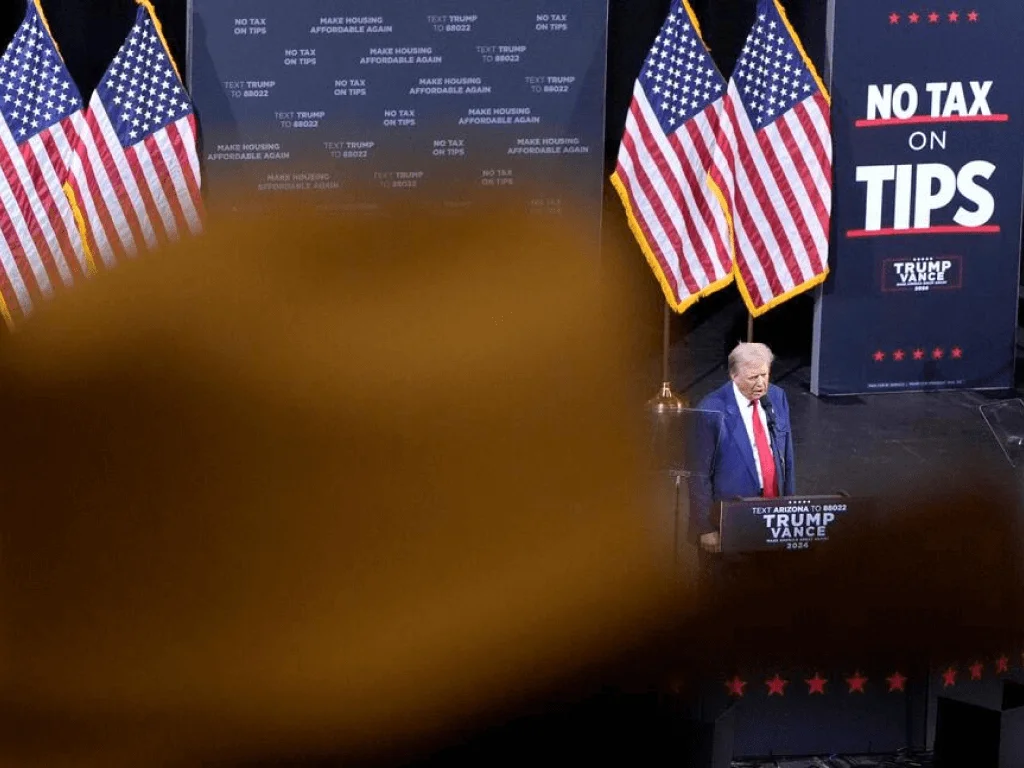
930	119
989	230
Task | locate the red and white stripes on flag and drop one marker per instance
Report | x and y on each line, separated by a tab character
40	116
663	162
774	164
135	180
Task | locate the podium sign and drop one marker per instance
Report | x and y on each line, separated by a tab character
783	524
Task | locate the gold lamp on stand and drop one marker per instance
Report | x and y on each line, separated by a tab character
666	401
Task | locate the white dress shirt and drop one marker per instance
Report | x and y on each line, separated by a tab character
747	413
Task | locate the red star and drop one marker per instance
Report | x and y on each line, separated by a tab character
736	686
976	670
816	684
897	682
879	356
957	353
898	355
894	18
919	354
937	354
949	678
914	18
933	18
856	682
1002	665
972	16
953	16
776	686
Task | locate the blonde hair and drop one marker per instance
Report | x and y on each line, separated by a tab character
749	352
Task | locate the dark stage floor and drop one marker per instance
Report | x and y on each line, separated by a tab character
870	445
867	761
866	446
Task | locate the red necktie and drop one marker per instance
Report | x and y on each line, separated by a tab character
764	455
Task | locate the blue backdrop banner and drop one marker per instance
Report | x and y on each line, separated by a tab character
928	124
359	103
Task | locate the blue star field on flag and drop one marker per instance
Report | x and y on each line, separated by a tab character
770	73
36	90
141	91
679	76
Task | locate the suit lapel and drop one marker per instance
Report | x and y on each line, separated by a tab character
738	431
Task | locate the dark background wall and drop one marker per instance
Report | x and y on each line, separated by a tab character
89	32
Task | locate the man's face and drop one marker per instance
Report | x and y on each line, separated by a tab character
752	380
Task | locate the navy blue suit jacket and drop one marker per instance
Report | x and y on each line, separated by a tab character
723	460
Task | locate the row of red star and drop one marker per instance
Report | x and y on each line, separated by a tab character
919	354
897	682
934	17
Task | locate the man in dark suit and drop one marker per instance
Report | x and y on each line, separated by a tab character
742	446
747	451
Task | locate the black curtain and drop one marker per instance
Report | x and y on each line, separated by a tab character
89	32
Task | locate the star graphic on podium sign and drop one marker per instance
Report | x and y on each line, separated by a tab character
972	16
894	18
879	356
937	353
976	669
953	16
933	18
776	686
856	682
919	354
949	677
898	355
736	686
897	682
1002	665
914	17
816	684
957	353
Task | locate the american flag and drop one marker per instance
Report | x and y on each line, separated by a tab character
40	116
774	164
135	179
663	164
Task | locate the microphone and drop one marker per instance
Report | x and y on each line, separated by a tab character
769	411
769	415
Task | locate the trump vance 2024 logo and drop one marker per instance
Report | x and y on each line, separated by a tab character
922	273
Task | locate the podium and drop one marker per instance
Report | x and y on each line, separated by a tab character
785	524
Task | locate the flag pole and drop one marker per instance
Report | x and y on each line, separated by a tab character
665	401
750	327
